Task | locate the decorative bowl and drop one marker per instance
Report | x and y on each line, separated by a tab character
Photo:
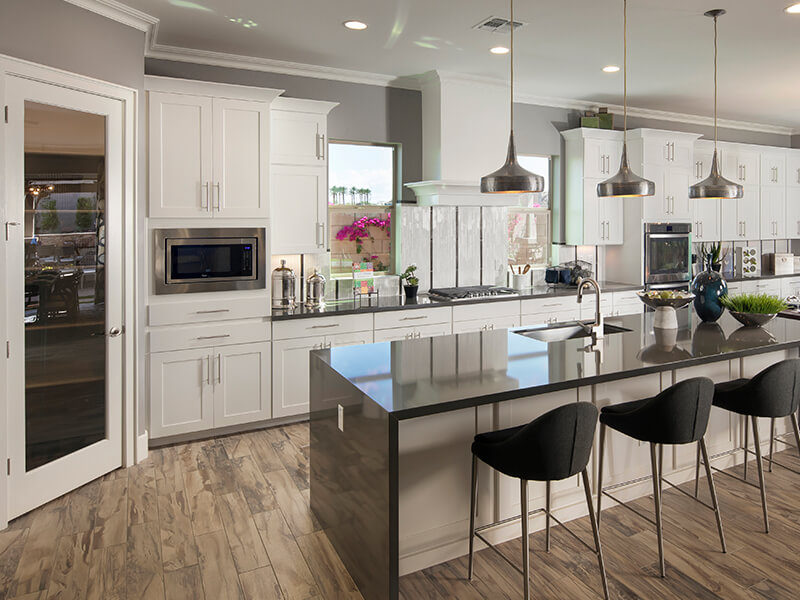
753	319
656	302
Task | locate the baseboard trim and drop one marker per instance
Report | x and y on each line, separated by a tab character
141	447
207	434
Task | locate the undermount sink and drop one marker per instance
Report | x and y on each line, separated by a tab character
570	330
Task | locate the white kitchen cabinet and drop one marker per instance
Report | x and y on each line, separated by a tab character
790	286
705	220
671	200
208	156
773	212
602	218
763	286
488	324
792	212
601	157
299	209
299	132
242	384
793	168
741	218
411	332
666	148
739	164
181	392
627	303
702	157
539	311
773	168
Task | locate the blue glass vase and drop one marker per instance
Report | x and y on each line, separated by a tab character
708	287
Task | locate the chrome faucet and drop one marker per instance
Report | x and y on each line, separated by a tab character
596	328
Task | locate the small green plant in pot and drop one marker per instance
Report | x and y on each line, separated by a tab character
754	310
714	254
411	281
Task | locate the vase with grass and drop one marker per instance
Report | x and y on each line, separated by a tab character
754	310
708	288
410	281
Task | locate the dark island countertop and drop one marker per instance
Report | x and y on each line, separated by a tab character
417	377
389	303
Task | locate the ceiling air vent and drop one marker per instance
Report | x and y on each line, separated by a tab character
497	25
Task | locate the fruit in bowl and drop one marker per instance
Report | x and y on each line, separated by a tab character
666	298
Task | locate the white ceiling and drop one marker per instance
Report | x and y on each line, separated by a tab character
559	53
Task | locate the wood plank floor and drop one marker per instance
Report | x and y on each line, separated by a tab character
228	518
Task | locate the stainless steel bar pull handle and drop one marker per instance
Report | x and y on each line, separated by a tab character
218	187
414	318
219	368
213	337
209	312
324	326
316	139
322	147
207	376
202	187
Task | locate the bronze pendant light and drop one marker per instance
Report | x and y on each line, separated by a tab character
715	185
625	183
511	178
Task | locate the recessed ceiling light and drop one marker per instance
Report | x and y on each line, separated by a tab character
499	50
794	9
610	69
355	25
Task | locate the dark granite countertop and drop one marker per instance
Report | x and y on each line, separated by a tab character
386	303
418	377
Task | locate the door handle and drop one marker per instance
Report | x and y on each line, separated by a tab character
219	368
316	139
213	337
209	312
207	204
10	224
207	376
322	147
218	187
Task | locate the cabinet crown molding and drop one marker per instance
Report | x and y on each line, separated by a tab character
174	85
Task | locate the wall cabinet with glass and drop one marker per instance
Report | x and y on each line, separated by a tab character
208	153
299	159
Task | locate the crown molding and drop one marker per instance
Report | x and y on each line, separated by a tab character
121	13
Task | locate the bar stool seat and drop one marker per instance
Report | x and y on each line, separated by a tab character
555	446
677	415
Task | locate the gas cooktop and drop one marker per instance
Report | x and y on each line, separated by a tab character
471	292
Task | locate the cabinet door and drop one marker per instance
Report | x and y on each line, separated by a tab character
730	226
740	166
678	181
299	209
290	376
181	394
349	339
241	375
298	138
596	163
489	324
180	157
614	218
701	165
773	169
748	209
793	212
656	208
241	158
705	220
793	168
593	222
773	211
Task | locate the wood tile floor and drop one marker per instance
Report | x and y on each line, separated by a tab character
228	518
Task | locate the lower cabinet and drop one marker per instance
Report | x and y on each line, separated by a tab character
290	369
488	324
203	388
414	331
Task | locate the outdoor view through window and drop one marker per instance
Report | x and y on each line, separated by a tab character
529	221
361	195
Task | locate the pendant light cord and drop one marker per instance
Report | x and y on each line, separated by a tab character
715	82
512	66
625	71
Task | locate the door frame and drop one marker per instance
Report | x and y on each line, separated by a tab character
131	451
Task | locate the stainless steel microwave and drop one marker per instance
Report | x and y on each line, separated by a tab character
209	260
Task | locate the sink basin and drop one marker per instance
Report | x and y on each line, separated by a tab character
565	331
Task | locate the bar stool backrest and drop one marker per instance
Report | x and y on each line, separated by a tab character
678	415
554	446
775	391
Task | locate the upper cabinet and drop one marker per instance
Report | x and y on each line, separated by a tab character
793	168
773	168
739	164
592	155
208	149
299	189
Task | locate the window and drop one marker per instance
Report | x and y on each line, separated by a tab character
529	223
362	194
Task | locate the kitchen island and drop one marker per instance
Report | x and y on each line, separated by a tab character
392	424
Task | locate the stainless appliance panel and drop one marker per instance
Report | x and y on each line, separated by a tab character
667	253
165	282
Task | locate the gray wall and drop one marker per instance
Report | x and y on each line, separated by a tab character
366	112
796	141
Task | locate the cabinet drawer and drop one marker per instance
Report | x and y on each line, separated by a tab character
299	328
203	336
768	286
545	305
486	311
207	311
413	317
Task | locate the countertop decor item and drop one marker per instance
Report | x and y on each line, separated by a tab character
754	310
784	263
708	287
665	303
715	253
511	178
715	185
315	289
625	183
411	285
747	261
283	287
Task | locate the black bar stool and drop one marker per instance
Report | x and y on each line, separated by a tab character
552	447
678	415
773	393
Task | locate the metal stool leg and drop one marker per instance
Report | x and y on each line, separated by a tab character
796	431
657	500
547	517
713	490
760	473
595	532
472	503
746	444
771	441
697	473
526	565
660	469
600	471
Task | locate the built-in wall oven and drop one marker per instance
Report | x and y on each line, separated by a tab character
209	260
667	255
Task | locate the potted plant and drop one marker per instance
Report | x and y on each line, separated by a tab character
754	310
714	254
411	282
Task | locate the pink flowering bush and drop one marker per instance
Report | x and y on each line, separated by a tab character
357	232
